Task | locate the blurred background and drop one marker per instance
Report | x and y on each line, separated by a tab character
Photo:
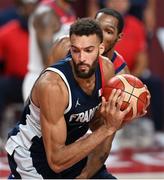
139	147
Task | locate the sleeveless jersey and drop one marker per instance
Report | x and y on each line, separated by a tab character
35	64
118	62
80	110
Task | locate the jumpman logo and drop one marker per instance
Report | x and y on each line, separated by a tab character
77	103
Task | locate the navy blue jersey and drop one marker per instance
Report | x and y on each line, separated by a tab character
80	110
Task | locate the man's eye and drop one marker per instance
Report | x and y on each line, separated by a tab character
109	32
88	50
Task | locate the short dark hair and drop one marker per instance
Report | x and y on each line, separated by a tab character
86	26
115	14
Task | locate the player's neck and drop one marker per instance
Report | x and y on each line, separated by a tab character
87	85
109	54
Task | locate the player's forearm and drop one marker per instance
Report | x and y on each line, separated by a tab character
69	155
97	159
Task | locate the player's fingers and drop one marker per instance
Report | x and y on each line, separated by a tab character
111	95
127	110
110	99
103	105
145	86
148	94
114	99
148	99
120	101
142	114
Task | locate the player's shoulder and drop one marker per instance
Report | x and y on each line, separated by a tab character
106	62
48	84
49	79
119	56
108	68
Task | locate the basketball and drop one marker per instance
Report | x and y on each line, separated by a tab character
135	91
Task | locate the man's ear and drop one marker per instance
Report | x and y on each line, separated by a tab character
101	48
120	37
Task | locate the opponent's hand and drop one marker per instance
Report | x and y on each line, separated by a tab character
148	103
111	110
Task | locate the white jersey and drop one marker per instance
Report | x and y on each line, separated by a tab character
35	65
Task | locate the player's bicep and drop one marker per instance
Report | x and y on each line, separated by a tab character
53	124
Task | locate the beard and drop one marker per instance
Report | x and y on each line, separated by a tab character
83	74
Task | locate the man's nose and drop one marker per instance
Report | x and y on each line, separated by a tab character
82	56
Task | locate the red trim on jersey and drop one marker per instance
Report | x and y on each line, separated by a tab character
102	73
118	60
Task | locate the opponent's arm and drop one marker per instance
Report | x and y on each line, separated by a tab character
47	96
46	24
59	49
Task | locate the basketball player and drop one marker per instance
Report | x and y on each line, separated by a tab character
65	101
112	24
51	20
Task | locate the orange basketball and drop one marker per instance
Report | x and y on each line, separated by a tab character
135	91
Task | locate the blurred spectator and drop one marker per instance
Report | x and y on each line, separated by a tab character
50	21
145	11
87	8
133	47
14	55
80	7
5	4
8	14
9	10
92	7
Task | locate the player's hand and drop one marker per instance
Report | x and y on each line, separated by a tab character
111	110
148	97
148	103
